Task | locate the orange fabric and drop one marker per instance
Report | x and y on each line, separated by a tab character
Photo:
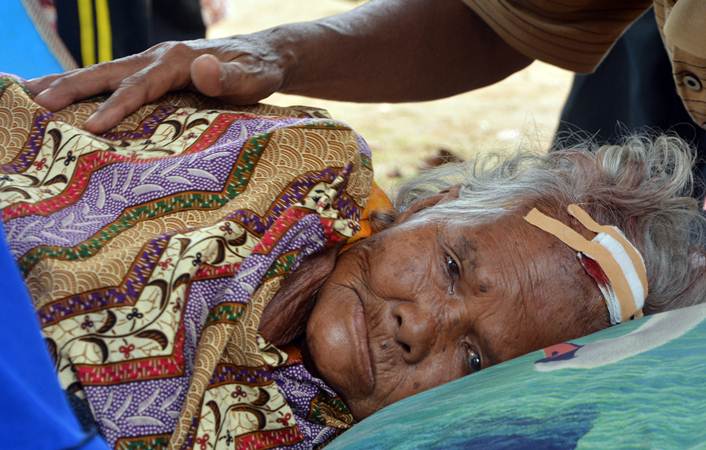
377	201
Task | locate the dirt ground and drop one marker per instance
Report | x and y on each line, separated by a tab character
521	111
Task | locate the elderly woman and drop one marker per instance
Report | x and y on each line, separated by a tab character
190	278
460	280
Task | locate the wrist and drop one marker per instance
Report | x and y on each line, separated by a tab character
282	45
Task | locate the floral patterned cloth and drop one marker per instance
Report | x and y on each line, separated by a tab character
151	251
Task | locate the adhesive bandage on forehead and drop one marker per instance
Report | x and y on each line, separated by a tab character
610	258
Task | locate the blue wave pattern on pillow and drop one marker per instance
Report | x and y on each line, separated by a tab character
638	385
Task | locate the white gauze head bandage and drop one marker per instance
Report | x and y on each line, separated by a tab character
610	258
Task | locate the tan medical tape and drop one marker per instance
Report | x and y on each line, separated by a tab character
593	250
588	222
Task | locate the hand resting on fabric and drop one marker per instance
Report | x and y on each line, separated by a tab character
155	253
355	56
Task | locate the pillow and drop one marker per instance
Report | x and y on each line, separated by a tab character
641	384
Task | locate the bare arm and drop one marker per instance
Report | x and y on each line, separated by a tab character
398	50
384	50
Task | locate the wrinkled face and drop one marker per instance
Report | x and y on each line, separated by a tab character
423	303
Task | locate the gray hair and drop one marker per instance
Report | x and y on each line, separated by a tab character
643	187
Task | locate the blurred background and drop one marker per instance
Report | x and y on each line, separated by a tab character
522	110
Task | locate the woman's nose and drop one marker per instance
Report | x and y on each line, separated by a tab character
414	331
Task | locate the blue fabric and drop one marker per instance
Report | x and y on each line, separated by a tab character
22	50
34	412
640	384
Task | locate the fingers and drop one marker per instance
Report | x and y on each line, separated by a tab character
143	87
37	85
136	80
206	75
112	111
58	91
143	78
241	81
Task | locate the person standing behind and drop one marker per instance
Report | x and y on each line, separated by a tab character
631	92
102	30
392	51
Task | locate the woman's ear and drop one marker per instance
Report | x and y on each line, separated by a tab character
446	195
285	316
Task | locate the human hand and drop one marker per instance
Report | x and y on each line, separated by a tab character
239	70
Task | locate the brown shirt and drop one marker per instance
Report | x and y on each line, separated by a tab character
576	35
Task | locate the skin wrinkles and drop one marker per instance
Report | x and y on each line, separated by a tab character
515	279
385	352
380	309
381	305
527	275
465	249
385	323
380	39
418	331
533	277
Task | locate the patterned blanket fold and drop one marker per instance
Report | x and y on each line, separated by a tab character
151	251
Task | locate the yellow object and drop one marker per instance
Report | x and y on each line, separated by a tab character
377	201
105	40
88	38
88	31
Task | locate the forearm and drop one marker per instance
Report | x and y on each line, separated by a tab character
383	51
393	51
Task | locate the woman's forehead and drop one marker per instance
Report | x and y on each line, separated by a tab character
504	236
478	235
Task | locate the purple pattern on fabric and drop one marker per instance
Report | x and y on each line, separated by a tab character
146	128
203	296
307	235
224	374
299	388
97	300
147	261
120	409
363	146
134	399
138	408
114	188
291	196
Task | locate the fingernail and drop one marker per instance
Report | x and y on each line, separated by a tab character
89	121
96	123
221	73
44	99
41	96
